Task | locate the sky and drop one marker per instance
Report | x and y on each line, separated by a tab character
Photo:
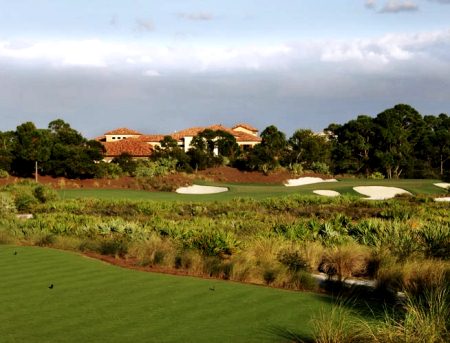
158	66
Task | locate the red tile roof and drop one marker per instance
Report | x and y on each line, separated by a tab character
152	138
130	146
193	131
245	126
123	131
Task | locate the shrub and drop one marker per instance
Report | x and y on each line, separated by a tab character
216	267
7	204
292	260
302	280
436	241
113	247
45	239
344	261
339	325
376	176
45	193
108	170
270	275
320	167
215	243
296	168
3	174
161	167
423	319
25	200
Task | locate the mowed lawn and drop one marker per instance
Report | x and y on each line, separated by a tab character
257	191
95	302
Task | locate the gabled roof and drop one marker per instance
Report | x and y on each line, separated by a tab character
152	138
245	137
193	131
132	146
245	126
123	131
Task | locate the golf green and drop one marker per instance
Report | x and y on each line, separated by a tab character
91	301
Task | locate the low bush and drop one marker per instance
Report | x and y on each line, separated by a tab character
344	261
117	247
293	260
216	267
3	174
302	280
7	204
270	274
45	193
105	170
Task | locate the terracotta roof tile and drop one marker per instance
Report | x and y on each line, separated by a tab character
123	131
152	138
193	131
245	126
131	146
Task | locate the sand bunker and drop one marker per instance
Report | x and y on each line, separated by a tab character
326	193
379	192
196	189
442	199
306	181
445	185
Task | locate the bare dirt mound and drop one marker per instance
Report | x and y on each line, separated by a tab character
169	182
166	183
228	174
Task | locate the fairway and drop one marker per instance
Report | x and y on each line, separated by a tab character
257	191
95	302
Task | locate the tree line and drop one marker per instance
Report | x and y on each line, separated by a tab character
398	142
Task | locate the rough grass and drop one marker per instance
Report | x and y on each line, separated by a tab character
95	302
257	191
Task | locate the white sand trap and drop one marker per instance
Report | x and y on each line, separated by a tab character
196	189
445	185
306	181
442	199
379	192
327	193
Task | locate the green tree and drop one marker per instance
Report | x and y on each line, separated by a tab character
6	150
306	147
170	149
267	155
30	145
126	163
352	145
72	155
396	137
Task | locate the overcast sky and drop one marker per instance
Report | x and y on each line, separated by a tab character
162	65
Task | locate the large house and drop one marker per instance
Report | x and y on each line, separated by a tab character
138	145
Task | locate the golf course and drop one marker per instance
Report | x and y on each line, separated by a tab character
258	191
91	301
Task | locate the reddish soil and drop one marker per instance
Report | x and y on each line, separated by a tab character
170	182
161	183
228	174
132	263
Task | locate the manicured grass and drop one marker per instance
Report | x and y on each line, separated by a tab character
257	191
95	302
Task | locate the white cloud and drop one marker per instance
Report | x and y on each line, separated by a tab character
152	73
191	58
196	16
145	25
370	4
396	6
